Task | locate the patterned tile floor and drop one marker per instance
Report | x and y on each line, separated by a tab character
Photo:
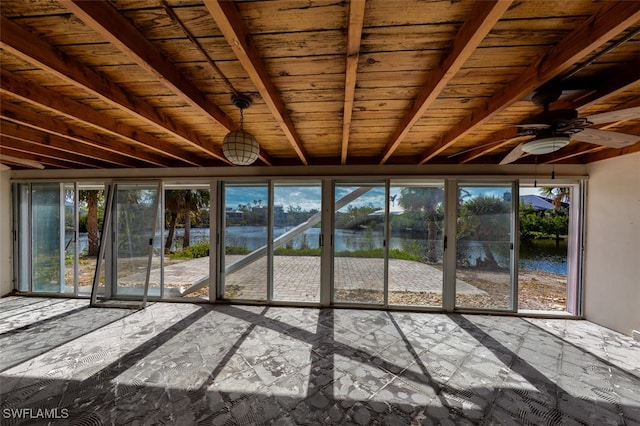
188	364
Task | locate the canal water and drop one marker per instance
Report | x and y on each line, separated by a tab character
541	255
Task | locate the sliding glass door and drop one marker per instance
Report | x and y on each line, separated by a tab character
133	247
485	247
49	239
244	257
185	240
416	242
409	242
296	236
360	212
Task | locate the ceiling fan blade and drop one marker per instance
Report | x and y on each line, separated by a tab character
606	138
515	153
619	115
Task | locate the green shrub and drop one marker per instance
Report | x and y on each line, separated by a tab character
401	254
236	250
286	251
192	252
379	253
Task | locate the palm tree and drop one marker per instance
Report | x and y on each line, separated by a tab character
173	203
194	200
181	204
483	218
92	198
557	195
556	223
427	203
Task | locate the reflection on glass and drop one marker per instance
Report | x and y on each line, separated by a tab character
483	247
24	239
359	263
296	233
244	259
186	243
47	237
416	243
133	223
69	238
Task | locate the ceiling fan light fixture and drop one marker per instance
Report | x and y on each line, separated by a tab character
545	145
239	146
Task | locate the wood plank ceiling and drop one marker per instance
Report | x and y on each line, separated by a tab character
148	83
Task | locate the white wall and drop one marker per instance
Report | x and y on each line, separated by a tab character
612	247
5	233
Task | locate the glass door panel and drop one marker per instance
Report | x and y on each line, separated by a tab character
133	222
245	229
484	247
186	241
296	241
416	243
24	227
47	237
358	243
70	270
91	198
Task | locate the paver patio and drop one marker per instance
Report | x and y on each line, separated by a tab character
297	278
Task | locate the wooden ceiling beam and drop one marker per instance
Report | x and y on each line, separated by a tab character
615	83
28	47
72	148
610	21
482	18
103	18
605	153
354	35
230	23
24	90
31	147
121	153
31	161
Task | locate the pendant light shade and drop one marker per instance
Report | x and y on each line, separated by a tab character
239	146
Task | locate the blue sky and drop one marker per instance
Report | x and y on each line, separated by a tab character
308	198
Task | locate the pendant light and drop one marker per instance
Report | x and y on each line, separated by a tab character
239	146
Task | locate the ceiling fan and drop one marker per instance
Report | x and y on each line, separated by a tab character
554	129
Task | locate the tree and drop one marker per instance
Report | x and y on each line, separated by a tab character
173	203
557	195
180	204
93	198
485	218
555	222
194	200
529	221
425	204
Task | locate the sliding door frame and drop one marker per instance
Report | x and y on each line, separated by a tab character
22	250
